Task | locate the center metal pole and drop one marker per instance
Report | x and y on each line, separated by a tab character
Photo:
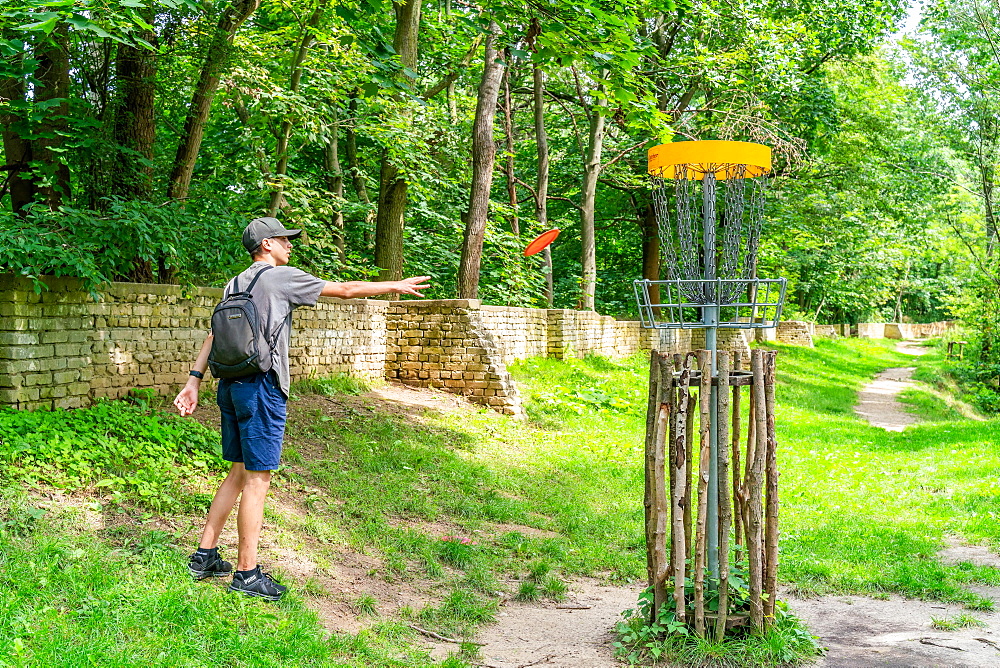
711	315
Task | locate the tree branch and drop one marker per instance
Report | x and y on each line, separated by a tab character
456	70
622	154
975	255
565	199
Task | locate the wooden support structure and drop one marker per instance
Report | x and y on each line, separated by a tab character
677	487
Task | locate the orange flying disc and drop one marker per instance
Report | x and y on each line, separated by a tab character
540	242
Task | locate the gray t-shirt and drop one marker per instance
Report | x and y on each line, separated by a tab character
276	294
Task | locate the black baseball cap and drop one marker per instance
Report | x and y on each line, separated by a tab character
265	228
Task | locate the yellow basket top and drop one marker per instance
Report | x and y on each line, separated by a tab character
717	157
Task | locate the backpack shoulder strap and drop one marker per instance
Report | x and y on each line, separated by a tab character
255	278
236	283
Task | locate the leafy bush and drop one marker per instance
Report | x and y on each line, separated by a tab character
134	453
785	642
597	395
329	386
126	240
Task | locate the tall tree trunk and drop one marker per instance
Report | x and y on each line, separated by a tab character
588	194
392	187
508	128
650	248
281	170
483	156
134	127
215	63
354	167
53	86
542	178
16	179
335	184
986	179
452	104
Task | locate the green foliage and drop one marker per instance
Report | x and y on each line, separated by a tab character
365	604
959	621
125	241
456	550
127	451
581	387
329	386
786	642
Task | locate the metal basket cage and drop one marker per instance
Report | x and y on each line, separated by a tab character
677	310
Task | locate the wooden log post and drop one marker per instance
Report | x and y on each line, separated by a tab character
652	410
679	501
748	462
735	434
704	464
754	491
725	507
692	408
661	510
771	515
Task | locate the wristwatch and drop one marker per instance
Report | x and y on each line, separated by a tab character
197	374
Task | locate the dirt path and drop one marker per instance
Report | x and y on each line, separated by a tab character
545	635
858	632
877	401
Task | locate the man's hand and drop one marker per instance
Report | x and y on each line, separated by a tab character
187	399
411	286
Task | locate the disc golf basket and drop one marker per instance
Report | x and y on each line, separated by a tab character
708	197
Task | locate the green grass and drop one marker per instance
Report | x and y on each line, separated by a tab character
864	511
960	621
72	598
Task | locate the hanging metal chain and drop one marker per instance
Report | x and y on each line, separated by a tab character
709	230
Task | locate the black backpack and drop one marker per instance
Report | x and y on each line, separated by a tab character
237	335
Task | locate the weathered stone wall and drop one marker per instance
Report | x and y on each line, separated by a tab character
524	332
871	330
795	332
62	348
340	336
578	333
445	344
903	330
45	344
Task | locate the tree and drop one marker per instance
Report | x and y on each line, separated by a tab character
483	158
216	60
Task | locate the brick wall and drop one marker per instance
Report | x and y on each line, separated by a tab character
448	344
795	332
45	345
62	349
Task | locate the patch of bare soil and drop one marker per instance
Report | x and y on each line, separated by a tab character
572	634
861	632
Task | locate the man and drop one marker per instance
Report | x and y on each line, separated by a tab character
253	407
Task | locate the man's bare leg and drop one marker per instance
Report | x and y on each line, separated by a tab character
222	505
251	516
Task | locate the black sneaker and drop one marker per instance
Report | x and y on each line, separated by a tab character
203	566
258	583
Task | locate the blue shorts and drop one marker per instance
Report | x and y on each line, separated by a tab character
253	421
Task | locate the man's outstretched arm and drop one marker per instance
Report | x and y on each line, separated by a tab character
187	398
359	289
